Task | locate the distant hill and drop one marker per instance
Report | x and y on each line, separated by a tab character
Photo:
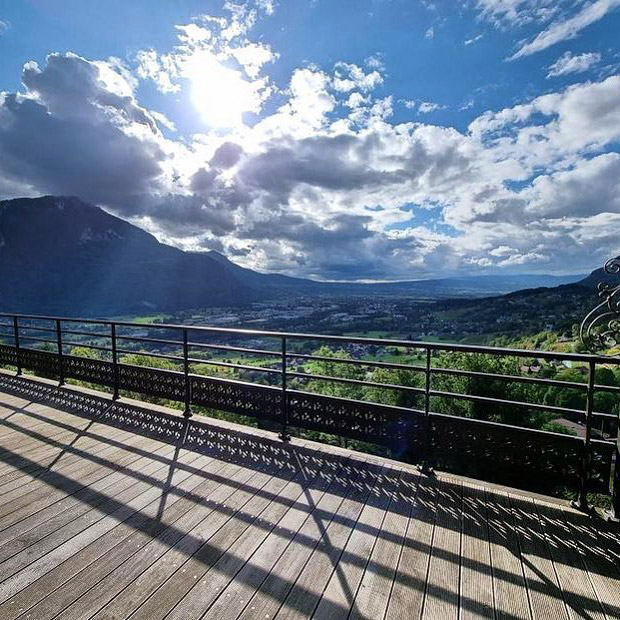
520	313
598	276
61	255
441	288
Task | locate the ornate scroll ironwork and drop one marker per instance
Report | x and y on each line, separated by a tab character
600	330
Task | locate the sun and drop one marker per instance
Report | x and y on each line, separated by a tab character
220	94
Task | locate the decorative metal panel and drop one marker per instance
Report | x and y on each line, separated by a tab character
516	456
8	355
519	457
44	363
258	401
600	330
152	381
398	429
100	372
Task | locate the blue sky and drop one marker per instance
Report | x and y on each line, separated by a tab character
379	139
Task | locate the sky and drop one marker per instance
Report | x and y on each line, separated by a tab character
339	140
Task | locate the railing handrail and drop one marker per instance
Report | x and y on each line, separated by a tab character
412	344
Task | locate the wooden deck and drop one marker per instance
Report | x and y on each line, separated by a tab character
120	511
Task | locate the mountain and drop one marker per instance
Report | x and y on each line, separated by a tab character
60	255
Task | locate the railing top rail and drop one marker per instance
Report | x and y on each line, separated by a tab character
413	344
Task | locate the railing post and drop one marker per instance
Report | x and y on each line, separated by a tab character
425	465
614	513
188	393
284	434
115	395
581	503
61	372
16	340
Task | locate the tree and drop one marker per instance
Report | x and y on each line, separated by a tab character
489	387
392	396
341	370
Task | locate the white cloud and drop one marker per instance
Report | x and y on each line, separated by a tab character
4	26
252	57
567	63
163	120
426	107
584	117
591	188
430	33
375	61
269	6
83	131
514	13
193	34
567	28
356	100
349	76
473	39
162	70
215	51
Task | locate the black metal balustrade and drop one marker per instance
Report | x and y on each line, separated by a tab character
488	450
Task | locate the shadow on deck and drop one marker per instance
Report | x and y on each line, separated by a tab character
112	510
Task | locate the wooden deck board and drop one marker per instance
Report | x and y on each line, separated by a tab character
441	599
45	461
407	595
305	524
98	521
55	487
124	589
544	592
101	528
594	548
579	595
219	560
374	592
476	599
89	468
93	575
30	531
269	546
71	506
158	586
509	589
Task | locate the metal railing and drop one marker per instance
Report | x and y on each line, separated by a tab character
283	391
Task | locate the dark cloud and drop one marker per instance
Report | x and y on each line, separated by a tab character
226	155
73	87
333	163
182	216
69	135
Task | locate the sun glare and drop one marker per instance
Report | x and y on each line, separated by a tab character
220	94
